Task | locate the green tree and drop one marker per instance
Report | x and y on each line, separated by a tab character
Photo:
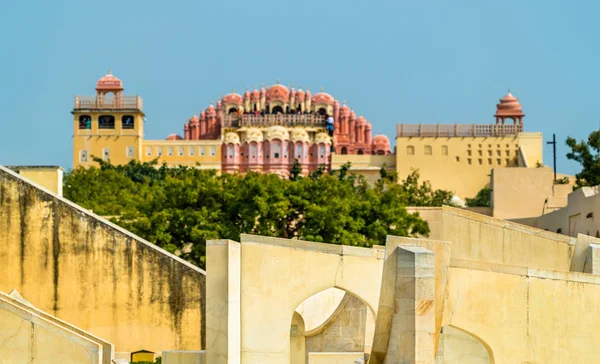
588	155
295	171
180	208
482	199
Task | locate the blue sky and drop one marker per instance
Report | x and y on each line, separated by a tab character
393	61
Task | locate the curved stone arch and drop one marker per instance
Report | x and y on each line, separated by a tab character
476	338
362	299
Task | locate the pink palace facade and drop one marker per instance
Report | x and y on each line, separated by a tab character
266	130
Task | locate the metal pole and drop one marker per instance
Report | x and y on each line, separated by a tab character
553	142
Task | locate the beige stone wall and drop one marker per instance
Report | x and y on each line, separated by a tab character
344	332
334	358
581	216
458	347
486	239
90	273
520	193
537	316
29	338
183	357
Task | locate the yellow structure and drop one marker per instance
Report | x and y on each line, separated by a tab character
28	335
489	291
460	158
93	274
110	126
49	177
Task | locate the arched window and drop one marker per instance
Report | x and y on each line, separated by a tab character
410	150
360	151
232	111
299	150
253	150
85	122
230	150
276	149
277	110
322	111
344	150
428	150
127	122
322	150
444	150
380	152
106	122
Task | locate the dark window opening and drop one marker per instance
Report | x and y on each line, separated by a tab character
232	111
85	122
127	122
344	150
559	231
106	122
277	110
360	152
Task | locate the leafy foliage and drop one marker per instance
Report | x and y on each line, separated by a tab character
180	208
483	199
588	155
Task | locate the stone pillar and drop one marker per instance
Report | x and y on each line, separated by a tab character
592	260
412	334
223	261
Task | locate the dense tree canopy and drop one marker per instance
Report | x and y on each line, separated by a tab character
588	155
483	198
180	208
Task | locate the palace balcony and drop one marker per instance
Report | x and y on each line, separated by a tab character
291	120
457	130
116	103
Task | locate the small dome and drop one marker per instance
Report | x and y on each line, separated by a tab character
194	119
109	83
509	106
352	115
323	98
202	115
174	137
278	92
210	111
300	95
233	98
368	126
381	145
247	94
255	95
361	120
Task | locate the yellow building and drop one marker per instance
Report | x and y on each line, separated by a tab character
461	157
110	126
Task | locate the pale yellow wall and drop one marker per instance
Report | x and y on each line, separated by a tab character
458	347
269	299
344	331
486	239
521	192
537	316
334	358
28	338
573	219
14	298
460	171
297	340
116	140
184	152
317	309
531	145
184	357
92	274
51	178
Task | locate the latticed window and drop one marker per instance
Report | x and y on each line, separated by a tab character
410	150
428	150
444	150
106	122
